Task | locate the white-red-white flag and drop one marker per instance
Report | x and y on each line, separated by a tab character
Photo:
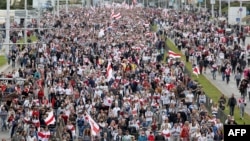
71	127
95	129
173	54
196	70
116	16
107	101
109	72
50	119
43	136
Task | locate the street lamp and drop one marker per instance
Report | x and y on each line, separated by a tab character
57	5
67	6
7	27
240	15
25	23
212	2
220	8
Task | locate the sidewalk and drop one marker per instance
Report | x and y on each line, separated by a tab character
227	89
230	88
5	68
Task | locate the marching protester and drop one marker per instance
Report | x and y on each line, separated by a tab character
101	74
242	105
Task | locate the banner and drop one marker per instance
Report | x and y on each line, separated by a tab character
212	1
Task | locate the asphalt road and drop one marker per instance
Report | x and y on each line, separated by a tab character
227	89
230	88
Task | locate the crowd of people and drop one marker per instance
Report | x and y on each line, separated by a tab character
102	74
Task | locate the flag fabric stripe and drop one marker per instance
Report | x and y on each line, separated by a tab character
43	136
95	129
50	119
173	54
109	71
196	71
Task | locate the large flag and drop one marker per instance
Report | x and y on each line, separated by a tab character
109	71
196	70
43	136
95	129
50	119
116	16
107	101
173	54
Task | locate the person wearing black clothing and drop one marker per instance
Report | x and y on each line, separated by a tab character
159	137
201	65
13	59
222	70
119	136
222	102
187	54
232	103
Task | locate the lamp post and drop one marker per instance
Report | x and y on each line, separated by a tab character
57	6
39	16
25	22
219	8
212	2
206	5
7	27
240	15
67	6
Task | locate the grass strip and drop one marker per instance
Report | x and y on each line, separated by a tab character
210	90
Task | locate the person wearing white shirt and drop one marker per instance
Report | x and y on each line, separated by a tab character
165	100
98	92
31	138
149	115
202	137
189	98
80	70
175	132
197	134
26	103
193	129
102	123
16	74
60	90
166	124
210	135
115	110
59	70
68	91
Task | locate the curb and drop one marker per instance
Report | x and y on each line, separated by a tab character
5	67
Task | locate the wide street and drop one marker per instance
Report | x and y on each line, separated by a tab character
228	89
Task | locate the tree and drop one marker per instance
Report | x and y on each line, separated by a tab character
3	4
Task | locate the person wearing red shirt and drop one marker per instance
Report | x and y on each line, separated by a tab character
151	137
45	101
64	117
40	95
35	112
185	132
170	86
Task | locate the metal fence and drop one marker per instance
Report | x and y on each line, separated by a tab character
220	114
